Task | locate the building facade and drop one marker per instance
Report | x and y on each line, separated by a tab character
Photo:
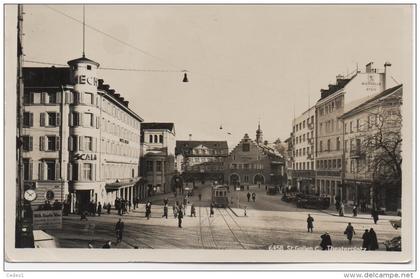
303	140
372	151
201	162
250	163
334	101
82	142
158	159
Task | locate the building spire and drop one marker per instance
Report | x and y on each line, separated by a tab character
259	134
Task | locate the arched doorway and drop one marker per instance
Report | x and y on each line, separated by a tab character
234	179
259	179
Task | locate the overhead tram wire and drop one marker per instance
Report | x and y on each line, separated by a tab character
117	39
109	68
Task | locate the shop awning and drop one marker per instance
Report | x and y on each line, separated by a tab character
113	186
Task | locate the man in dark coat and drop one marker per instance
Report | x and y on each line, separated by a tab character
199	197
253	196
366	239
373	240
180	216
325	241
193	210
349	232
354	210
108	209
248	195
211	210
119	229
310	221
99	210
375	215
165	211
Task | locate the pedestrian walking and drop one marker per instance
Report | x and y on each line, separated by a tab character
129	205
148	209
180	216
165	201
99	210
108	209
366	240
165	211
325	241
375	215
248	195
107	245
310	222
119	229
337	204
354	210
373	240
175	210
192	210
199	196
211	210
349	232
341	213
253	196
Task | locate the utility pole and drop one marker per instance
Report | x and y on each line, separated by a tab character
19	144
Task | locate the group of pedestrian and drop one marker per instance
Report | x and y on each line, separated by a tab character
122	206
253	196
370	241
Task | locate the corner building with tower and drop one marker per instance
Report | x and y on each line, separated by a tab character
81	140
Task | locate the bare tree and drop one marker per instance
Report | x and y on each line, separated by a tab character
382	149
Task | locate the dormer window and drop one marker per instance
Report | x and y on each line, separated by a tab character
89	67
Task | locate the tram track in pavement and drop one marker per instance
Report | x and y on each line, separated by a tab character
206	234
230	228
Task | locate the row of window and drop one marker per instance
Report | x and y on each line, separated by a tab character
328	146
307	122
246	166
303	166
45	143
205	168
86	98
329	126
328	164
303	138
79	143
204	159
332	105
155	138
303	151
49	170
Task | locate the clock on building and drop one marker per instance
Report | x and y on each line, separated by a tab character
30	195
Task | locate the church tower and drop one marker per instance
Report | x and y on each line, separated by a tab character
259	135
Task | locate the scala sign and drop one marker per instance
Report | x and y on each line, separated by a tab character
84	157
82	79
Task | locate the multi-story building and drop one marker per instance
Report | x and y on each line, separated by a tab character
201	162
250	163
158	159
81	140
372	147
303	139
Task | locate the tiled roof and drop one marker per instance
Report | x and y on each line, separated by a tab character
332	88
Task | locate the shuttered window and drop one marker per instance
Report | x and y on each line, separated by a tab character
28	119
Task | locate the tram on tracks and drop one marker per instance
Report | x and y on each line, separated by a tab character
219	196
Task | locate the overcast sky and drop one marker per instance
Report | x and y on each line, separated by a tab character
245	63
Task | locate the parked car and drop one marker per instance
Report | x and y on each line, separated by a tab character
314	202
393	244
